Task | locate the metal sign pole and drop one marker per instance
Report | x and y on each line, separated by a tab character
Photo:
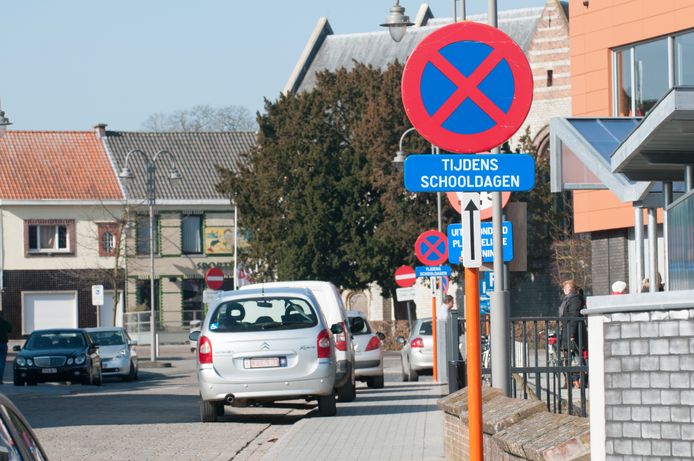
433	327
474	364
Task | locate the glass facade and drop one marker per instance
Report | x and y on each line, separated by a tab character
681	244
642	72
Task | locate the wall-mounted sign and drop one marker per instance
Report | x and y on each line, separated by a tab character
219	240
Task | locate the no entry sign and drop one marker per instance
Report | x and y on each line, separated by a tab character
214	278
467	87
405	276
431	248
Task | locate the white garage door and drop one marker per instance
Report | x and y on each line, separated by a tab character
48	310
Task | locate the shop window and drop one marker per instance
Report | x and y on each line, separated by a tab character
143	294
191	227
191	292
143	235
108	236
49	236
684	64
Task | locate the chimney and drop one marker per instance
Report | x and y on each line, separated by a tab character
100	130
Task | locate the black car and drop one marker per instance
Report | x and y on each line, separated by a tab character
17	438
57	355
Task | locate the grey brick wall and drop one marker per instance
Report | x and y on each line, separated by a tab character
649	381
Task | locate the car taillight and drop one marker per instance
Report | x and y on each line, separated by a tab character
204	350
324	345
341	339
585	355
417	342
374	343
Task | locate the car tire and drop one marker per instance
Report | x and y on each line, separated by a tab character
132	374
89	380
99	379
18	382
220	410
327	405
412	375
348	392
31	382
375	382
405	374
208	411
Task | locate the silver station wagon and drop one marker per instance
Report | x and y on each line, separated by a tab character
264	345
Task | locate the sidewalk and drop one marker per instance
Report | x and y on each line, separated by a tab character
400	422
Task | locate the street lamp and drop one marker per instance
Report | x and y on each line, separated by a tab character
4	123
151	164
397	22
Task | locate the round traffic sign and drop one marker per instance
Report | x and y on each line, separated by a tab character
467	87
405	276
214	278
431	248
485	202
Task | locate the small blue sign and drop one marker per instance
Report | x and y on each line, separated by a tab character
432	271
455	242
470	173
486	287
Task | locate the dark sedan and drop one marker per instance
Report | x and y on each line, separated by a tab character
57	355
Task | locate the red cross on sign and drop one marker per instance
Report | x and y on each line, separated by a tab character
431	248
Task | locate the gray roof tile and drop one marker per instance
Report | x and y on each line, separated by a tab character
379	50
197	155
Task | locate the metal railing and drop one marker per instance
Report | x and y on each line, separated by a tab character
174	327
549	361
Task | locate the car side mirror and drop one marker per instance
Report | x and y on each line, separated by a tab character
337	329
17	348
381	336
194	335
401	340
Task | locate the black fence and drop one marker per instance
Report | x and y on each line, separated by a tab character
549	360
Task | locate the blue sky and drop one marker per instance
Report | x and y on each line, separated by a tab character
67	65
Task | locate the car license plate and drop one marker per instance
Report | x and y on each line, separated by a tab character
265	362
47	371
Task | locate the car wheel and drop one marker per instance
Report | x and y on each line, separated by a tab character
208	411
88	380
327	405
99	379
31	382
405	373
412	375
18	382
132	374
220	410
348	392
375	382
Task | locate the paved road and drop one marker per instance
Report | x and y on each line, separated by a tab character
156	418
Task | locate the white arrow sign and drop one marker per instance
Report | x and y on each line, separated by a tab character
471	224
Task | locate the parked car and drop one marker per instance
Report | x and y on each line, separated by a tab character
117	351
17	439
333	309
417	354
368	363
265	345
57	355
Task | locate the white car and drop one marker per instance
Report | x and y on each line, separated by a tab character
333	309
368	355
117	350
417	354
262	346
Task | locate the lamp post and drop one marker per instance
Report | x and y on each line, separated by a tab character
4	123
151	166
396	22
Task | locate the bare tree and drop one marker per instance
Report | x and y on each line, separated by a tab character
203	118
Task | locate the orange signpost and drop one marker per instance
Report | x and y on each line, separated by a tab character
474	365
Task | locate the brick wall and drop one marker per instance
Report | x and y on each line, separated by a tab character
649	375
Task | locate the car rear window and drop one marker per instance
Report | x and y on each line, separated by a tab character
365	330
107	338
425	328
257	314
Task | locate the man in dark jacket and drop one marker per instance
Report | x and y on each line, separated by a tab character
571	305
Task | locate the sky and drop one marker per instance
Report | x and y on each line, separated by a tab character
68	65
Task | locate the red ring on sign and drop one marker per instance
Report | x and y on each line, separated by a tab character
431	130
426	248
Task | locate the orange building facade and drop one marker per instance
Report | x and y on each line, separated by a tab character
597	29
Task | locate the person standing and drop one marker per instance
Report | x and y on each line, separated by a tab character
5	330
569	309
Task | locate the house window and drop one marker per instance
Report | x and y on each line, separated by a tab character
550	77
684	64
108	238
143	235
49	236
642	72
191	227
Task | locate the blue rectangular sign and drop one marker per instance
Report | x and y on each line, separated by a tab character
470	173
455	242
432	271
